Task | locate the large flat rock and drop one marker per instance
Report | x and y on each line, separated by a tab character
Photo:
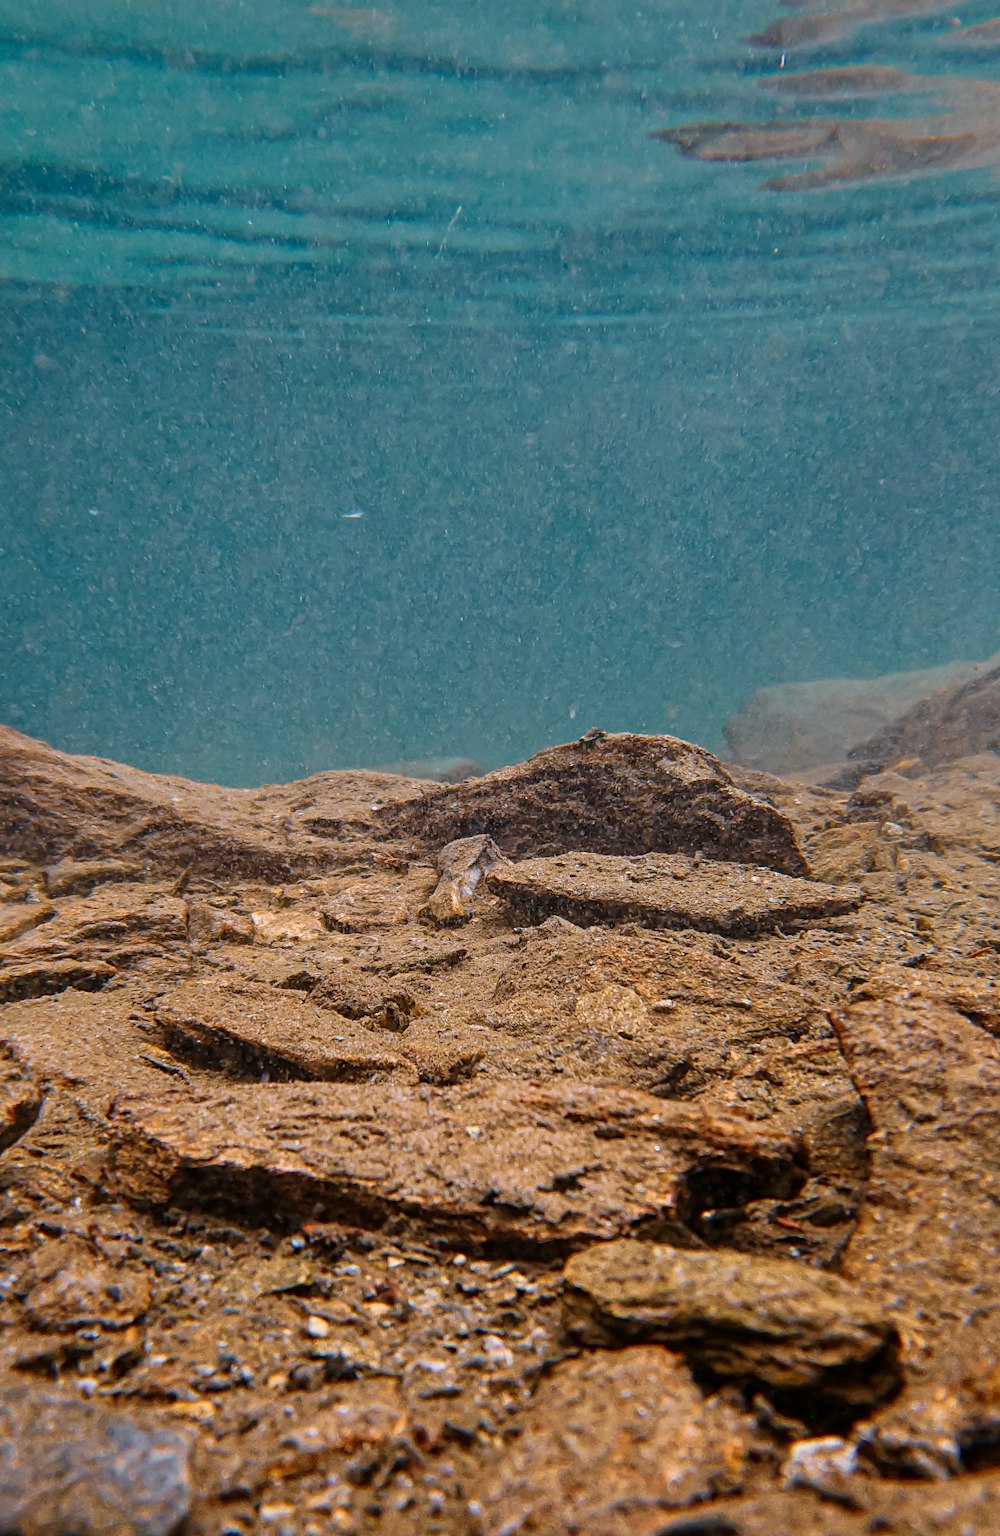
772	1322
611	794
512	1166
263	1033
659	890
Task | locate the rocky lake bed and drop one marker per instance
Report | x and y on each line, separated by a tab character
602	1145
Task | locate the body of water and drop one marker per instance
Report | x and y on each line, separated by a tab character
439	377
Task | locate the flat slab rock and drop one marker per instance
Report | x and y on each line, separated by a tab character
114	924
772	1322
609	1443
69	1468
929	1230
612	794
512	1166
660	890
264	1033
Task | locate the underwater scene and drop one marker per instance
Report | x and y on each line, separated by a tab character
437	379
499	768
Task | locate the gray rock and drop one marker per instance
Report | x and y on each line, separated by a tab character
69	1468
793	726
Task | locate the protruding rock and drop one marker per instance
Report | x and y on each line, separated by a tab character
955	722
108	925
512	1166
609	794
72	877
40	977
462	865
609	1444
770	1322
931	1224
55	805
789	727
660	890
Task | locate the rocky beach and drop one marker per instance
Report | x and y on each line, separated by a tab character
603	1145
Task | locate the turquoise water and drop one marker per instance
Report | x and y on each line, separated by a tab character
631	431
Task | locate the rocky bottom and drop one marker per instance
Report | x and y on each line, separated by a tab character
606	1145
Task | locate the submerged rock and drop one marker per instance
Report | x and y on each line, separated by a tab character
956	722
358	1148
770	1322
54	805
789	727
608	794
248	1032
930	1226
665	891
69	1468
610	1443
20	1102
509	1166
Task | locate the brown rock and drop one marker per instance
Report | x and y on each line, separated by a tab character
71	877
510	1166
221	927
778	1324
69	1468
54	805
977	997
249	1031
859	1506
665	891
20	1102
107	925
381	1003
19	917
41	977
72	1286
929	1230
610	794
848	852
610	1443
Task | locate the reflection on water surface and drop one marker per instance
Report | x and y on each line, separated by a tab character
962	131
